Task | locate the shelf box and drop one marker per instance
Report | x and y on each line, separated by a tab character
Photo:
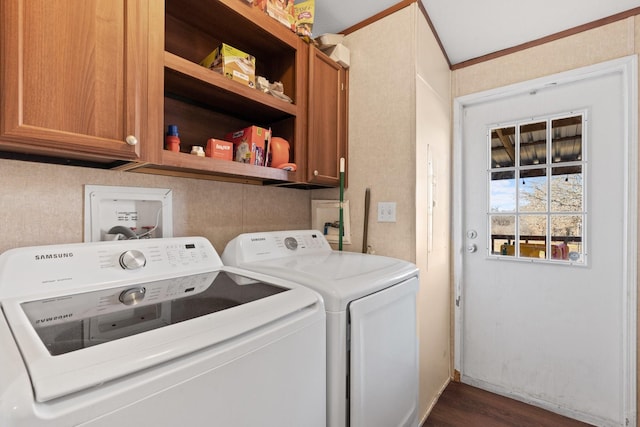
219	149
249	144
233	64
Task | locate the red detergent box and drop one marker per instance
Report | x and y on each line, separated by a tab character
219	149
249	144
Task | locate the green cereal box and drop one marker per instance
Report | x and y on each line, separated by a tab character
304	12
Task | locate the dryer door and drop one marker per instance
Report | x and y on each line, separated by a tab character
384	358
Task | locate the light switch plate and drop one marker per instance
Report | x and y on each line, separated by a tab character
386	211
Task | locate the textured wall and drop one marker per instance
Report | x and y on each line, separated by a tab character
44	204
399	111
381	136
600	44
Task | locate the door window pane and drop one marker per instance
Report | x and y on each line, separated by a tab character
566	145
532	236
503	233
566	237
566	189
532	193
502	197
503	143
536	204
533	144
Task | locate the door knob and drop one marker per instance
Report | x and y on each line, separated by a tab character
472	248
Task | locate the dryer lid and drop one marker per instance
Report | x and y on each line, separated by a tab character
305	257
340	277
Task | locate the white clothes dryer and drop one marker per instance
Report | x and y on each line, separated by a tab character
155	332
372	345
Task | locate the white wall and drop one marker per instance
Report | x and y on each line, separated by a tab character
433	177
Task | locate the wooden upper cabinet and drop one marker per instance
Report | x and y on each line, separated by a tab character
327	119
74	78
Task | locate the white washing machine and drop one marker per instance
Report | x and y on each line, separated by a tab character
372	346
155	332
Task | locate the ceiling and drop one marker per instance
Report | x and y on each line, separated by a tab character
472	28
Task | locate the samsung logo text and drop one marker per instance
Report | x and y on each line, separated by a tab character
54	318
60	255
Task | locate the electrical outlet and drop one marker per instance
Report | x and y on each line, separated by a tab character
386	211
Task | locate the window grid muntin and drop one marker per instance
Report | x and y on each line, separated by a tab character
550	164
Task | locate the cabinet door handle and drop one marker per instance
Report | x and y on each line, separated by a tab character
315	173
131	140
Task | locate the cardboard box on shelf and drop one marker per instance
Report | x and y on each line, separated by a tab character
219	149
232	63
339	53
328	40
249	144
282	11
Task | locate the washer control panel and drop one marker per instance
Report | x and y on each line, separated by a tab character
35	272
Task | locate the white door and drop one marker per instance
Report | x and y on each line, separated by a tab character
545	223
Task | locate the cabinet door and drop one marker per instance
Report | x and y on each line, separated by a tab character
73	77
327	120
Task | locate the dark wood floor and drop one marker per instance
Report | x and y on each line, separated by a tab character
463	405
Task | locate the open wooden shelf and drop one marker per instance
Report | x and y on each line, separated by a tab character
201	85
187	165
205	104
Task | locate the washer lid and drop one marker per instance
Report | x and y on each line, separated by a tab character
70	342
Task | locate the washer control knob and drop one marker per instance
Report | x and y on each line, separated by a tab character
132	296
291	243
132	260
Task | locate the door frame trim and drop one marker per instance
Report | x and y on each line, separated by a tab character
628	68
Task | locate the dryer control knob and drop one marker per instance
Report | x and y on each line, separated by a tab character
132	260
132	296
291	243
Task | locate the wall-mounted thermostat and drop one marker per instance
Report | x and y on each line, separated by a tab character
118	213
